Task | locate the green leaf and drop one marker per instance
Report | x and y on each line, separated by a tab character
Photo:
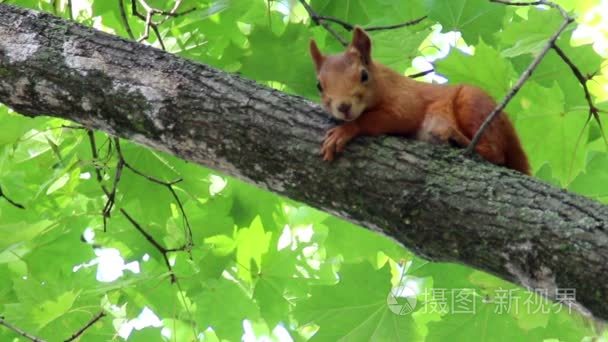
58	184
212	311
221	245
593	182
356	308
560	145
397	48
253	242
40	303
475	19
368	13
529	35
459	67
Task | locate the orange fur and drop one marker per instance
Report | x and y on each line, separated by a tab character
375	100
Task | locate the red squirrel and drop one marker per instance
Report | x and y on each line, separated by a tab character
372	100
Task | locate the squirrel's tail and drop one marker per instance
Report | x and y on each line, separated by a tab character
515	156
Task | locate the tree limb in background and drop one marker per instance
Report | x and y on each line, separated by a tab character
429	198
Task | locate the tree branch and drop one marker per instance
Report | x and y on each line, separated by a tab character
163	251
323	19
169	185
95	157
125	21
582	79
526	74
421	74
430	198
13	203
315	18
90	323
107	209
19	331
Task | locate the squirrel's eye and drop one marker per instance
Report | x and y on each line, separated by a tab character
319	86
364	76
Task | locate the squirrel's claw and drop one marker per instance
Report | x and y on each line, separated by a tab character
335	141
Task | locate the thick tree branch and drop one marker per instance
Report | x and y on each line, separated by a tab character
431	199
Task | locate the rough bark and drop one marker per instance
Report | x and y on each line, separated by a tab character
429	198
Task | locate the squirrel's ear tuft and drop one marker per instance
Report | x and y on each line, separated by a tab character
317	56
363	44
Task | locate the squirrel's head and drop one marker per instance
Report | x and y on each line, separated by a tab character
346	80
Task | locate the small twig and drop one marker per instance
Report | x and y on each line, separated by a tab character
107	209
395	26
349	27
69	6
148	237
15	204
149	16
50	129
526	74
518	3
135	12
173	13
80	331
136	171
421	74
582	79
175	6
163	251
315	18
95	156
125	21
19	331
160	39
561	10
169	185
323	19
187	228
147	27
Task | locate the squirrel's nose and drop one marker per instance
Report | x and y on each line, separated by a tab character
344	108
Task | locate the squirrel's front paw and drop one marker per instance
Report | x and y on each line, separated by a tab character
336	139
